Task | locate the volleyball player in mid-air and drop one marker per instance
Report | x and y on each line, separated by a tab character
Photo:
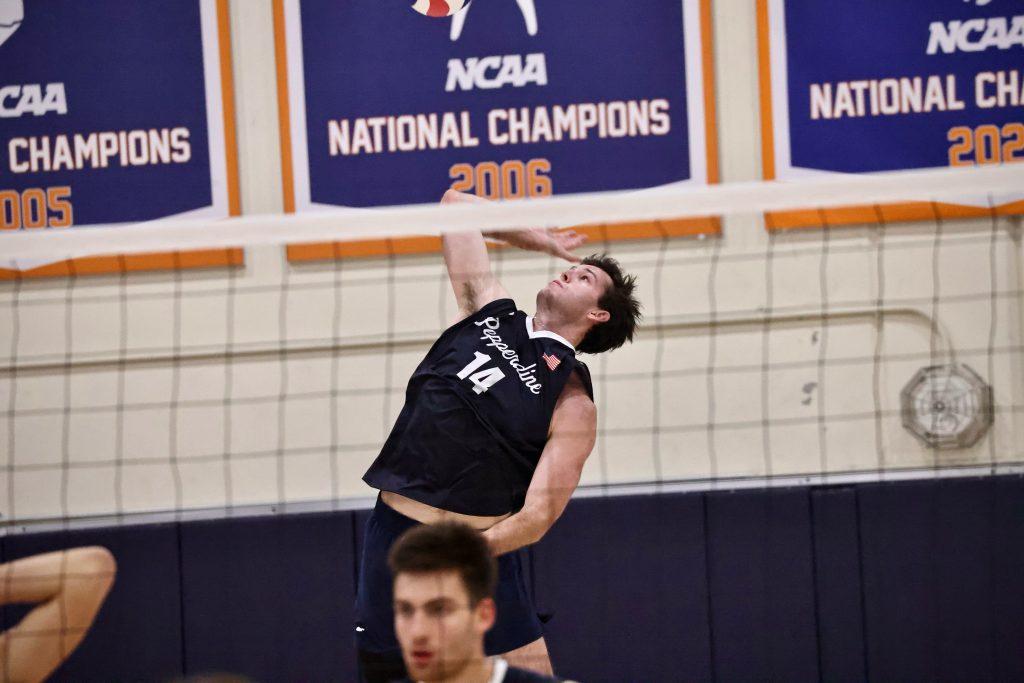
498	421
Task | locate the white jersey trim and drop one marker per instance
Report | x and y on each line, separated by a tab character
500	667
545	333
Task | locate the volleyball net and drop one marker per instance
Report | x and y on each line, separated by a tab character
816	331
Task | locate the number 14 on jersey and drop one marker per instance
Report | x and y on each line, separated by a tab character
483	380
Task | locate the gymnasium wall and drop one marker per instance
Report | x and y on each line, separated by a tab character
124	395
127	393
915	580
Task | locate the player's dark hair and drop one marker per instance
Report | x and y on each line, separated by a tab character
445	546
623	308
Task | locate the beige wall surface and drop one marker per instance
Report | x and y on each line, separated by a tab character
276	384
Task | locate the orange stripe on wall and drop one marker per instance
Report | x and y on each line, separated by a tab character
885	213
710	110
431	245
764	77
227	88
284	115
106	265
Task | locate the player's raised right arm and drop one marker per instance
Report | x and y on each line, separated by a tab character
469	266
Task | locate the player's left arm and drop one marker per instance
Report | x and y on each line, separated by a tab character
571	438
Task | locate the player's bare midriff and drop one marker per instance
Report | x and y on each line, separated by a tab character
428	514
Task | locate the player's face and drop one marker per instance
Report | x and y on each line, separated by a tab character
439	631
576	291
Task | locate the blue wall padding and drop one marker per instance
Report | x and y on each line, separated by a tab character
1008	579
761	577
929	593
837	584
137	634
963	565
625	581
270	597
906	581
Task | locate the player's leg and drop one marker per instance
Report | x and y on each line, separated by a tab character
517	634
380	657
69	587
533	656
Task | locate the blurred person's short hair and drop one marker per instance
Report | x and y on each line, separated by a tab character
447	546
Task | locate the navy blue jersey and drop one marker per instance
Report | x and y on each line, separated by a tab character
476	414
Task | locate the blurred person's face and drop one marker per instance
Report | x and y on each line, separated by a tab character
439	631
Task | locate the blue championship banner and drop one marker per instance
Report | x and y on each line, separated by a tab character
509	99
115	111
859	87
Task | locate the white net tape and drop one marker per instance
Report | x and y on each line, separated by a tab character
982	185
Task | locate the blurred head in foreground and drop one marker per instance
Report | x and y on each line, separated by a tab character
444	577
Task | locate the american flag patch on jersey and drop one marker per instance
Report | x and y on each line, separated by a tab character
552	361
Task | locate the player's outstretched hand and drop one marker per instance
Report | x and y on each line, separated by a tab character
456	197
559	243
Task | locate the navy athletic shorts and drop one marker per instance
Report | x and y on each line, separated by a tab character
517	622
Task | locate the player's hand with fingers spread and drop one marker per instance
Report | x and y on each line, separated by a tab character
558	243
456	197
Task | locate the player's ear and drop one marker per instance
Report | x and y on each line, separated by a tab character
486	613
598	315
